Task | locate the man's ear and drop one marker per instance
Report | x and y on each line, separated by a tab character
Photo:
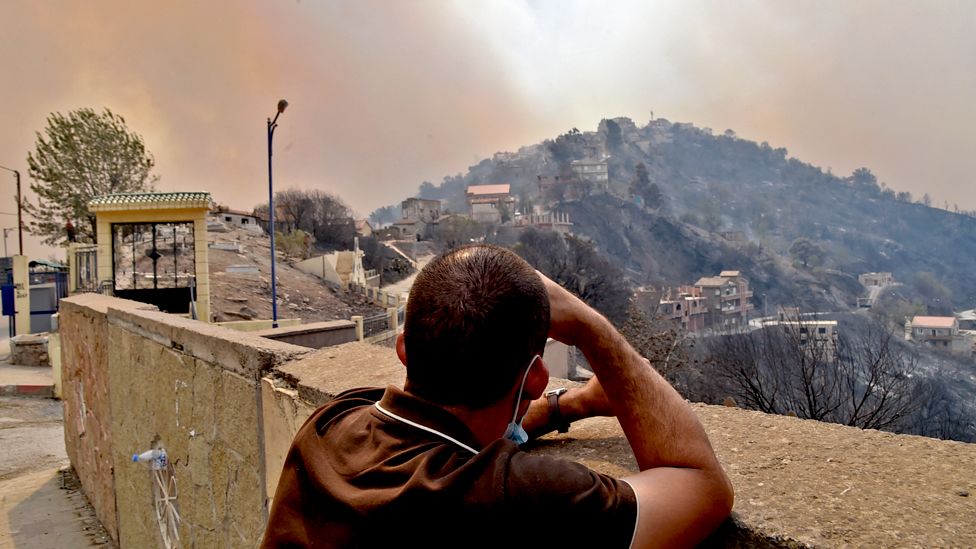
401	349
538	380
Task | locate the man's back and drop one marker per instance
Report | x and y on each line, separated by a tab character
405	471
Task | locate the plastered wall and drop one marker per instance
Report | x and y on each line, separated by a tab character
155	380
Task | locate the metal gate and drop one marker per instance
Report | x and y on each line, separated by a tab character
86	268
154	263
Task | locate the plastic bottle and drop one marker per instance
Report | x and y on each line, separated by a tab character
156	458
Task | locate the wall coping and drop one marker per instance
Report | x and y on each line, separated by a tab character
241	352
798	482
302	329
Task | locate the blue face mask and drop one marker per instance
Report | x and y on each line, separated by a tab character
514	431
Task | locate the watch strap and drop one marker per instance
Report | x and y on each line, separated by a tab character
556	419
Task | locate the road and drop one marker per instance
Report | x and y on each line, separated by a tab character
403	286
40	506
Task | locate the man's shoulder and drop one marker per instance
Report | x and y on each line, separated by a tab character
341	403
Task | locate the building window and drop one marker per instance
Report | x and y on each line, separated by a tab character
821	331
227	218
244	221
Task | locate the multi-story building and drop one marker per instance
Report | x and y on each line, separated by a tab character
819	337
875	279
940	332
727	298
594	172
552	221
417	217
420	209
685	307
553	188
487	203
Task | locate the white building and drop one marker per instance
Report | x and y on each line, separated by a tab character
237	218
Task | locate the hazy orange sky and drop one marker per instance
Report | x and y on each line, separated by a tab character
385	95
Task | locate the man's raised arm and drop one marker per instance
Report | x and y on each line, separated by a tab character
682	491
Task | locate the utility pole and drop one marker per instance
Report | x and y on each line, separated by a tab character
20	220
6	231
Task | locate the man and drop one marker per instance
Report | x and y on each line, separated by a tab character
437	463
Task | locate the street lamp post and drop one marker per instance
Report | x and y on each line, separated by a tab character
272	124
20	222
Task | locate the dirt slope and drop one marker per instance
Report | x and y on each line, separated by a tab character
245	296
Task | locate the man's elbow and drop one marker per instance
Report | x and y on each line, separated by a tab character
723	496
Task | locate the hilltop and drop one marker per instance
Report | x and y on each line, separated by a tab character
724	202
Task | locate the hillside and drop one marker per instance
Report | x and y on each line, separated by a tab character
713	184
243	296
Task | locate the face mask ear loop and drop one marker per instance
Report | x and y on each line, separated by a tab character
518	400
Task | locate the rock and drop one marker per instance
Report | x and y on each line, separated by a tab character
29	350
237	299
248	312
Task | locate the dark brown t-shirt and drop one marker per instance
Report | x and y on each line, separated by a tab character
388	474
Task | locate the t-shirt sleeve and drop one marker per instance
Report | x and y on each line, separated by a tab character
580	506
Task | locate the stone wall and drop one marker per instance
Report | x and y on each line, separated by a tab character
226	405
150	379
85	394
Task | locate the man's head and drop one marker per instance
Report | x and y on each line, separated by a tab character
476	317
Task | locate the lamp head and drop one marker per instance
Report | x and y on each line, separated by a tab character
282	105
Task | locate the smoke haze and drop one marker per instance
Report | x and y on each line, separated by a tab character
385	95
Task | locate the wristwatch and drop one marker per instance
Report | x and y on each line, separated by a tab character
556	419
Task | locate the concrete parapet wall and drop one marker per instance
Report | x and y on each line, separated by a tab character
798	482
226	405
315	335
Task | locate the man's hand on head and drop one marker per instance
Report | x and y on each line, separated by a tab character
568	315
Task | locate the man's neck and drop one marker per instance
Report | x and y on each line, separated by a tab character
486	424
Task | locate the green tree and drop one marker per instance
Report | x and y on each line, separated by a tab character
937	297
807	252
504	212
650	193
614	135
863	179
711	213
384	215
82	155
576	265
457	231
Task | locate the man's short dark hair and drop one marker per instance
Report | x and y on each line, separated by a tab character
476	317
